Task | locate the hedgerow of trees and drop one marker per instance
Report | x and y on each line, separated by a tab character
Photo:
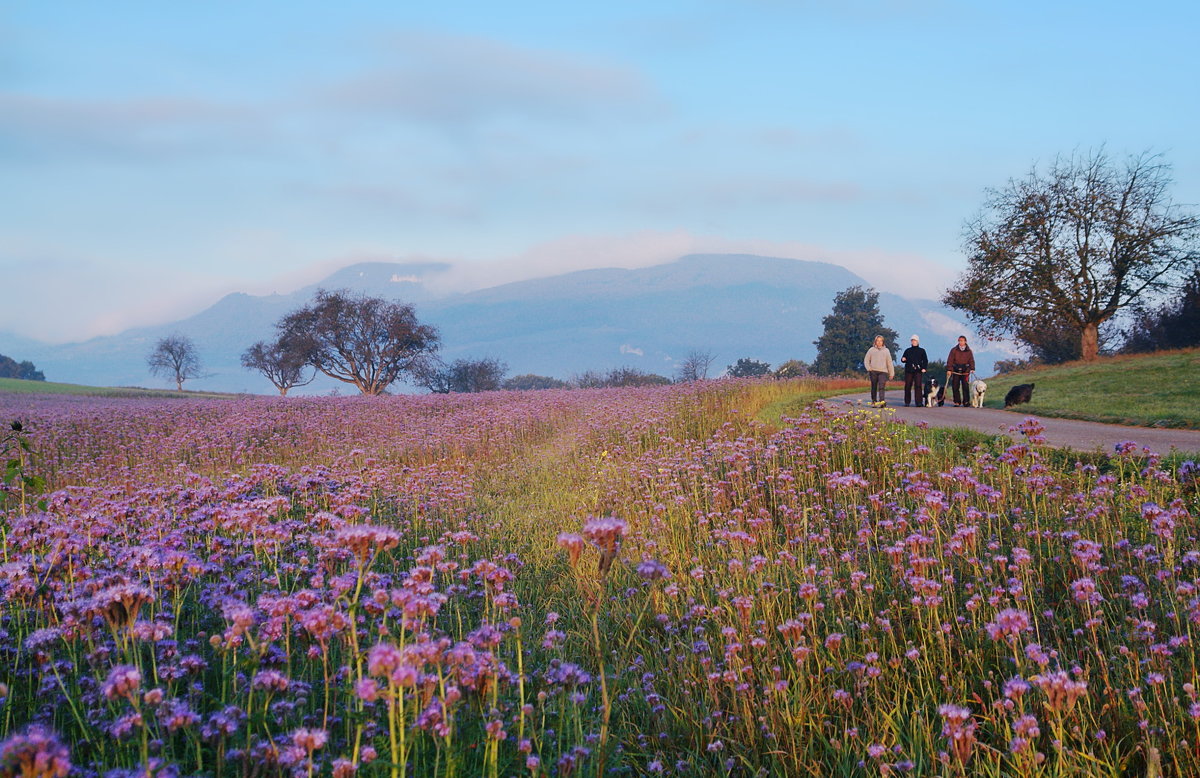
1175	324
11	368
464	375
618	376
530	381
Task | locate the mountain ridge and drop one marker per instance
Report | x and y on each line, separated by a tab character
735	305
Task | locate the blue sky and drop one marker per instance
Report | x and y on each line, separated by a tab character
154	156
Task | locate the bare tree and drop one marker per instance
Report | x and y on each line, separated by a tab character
361	340
175	357
694	366
281	361
1074	247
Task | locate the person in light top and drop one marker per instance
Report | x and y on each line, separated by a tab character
880	368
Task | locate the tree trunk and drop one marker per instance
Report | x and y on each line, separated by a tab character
1089	341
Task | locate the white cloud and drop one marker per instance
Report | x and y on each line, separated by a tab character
628	349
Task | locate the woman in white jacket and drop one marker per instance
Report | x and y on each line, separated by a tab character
880	368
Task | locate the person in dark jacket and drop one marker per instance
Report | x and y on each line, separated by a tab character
916	362
959	367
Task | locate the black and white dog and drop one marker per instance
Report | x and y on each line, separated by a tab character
1021	393
935	393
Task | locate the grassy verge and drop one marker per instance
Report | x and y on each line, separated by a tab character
799	394
18	386
1153	390
961	441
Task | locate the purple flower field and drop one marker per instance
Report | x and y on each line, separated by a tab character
598	582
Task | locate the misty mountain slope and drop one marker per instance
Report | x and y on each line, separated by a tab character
734	306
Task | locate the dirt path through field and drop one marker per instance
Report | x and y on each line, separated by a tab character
1064	433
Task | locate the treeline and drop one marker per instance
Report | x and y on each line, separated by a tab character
1173	325
11	368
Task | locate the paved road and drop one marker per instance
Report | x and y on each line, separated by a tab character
1064	433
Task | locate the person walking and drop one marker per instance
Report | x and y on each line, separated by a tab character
880	368
916	362
959	366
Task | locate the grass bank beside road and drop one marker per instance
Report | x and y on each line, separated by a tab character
791	396
1149	390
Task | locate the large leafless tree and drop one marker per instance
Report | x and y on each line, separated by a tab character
1073	247
366	341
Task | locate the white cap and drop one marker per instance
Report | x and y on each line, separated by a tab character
914	337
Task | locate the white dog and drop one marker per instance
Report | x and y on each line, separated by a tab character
978	389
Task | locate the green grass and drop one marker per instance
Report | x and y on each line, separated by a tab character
18	386
1151	390
799	396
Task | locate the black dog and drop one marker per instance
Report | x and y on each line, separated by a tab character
935	393
1021	393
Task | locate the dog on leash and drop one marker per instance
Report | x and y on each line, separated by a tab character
935	393
1021	393
978	389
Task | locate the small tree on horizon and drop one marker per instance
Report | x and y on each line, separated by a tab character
850	329
175	358
694	366
280	361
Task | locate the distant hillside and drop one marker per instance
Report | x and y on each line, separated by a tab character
736	306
